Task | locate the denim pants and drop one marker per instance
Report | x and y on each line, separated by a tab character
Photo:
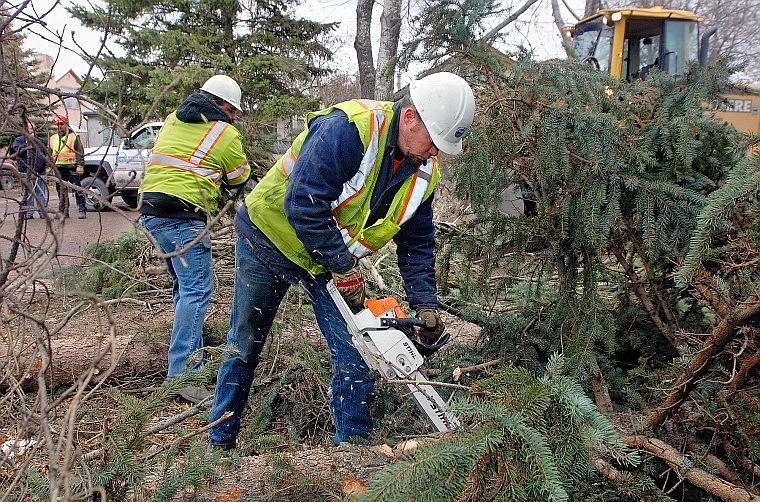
35	195
192	285
258	294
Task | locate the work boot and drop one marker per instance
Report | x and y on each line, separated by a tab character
220	447
194	394
82	214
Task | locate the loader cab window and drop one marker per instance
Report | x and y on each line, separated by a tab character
592	42
680	44
641	48
666	45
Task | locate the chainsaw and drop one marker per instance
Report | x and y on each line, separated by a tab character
387	341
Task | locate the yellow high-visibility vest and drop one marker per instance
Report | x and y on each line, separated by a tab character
191	161
372	119
63	148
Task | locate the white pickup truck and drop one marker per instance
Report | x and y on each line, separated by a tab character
118	169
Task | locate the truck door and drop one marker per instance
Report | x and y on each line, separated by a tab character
133	156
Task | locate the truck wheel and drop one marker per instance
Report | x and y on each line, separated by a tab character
97	196
129	198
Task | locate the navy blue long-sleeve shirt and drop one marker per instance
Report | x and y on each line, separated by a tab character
330	156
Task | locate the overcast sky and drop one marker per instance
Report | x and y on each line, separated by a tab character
537	31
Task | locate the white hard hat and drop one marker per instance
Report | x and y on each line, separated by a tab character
225	88
447	106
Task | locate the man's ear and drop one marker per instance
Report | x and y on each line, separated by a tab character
409	115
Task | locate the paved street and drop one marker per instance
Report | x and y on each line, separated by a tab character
73	236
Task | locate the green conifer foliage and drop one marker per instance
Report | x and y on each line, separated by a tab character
531	440
616	173
742	185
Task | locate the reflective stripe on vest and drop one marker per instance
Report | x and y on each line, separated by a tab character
63	152
160	159
376	126
199	155
236	173
414	197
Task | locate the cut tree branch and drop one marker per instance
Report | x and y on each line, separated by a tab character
684	466
702	360
643	296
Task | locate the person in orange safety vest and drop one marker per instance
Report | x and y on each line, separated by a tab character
68	158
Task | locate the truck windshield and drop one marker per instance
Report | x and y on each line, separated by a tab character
145	139
592	43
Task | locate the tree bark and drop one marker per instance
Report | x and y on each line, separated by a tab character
390	28
685	469
702	360
363	47
72	356
591	7
599	387
746	371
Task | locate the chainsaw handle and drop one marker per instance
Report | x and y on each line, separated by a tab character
401	322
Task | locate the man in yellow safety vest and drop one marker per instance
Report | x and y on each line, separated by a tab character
361	173
68	157
197	153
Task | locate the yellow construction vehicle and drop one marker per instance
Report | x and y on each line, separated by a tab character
628	42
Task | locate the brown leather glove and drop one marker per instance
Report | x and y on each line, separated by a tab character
80	170
434	326
350	285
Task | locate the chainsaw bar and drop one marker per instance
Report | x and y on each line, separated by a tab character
389	351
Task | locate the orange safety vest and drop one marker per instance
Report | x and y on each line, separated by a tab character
63	151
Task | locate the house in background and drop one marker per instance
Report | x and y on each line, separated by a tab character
76	110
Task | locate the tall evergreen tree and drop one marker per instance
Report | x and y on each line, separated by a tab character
171	46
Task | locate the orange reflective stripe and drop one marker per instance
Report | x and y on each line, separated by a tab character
354	186
208	141
416	193
237	172
287	161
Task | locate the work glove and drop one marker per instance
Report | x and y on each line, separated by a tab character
80	170
350	285
434	326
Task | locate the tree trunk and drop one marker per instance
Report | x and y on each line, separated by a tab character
72	356
363	47
559	23
390	27
591	7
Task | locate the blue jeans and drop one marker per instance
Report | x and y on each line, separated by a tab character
192	285
258	294
35	196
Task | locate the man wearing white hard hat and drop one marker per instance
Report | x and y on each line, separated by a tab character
361	173
197	153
